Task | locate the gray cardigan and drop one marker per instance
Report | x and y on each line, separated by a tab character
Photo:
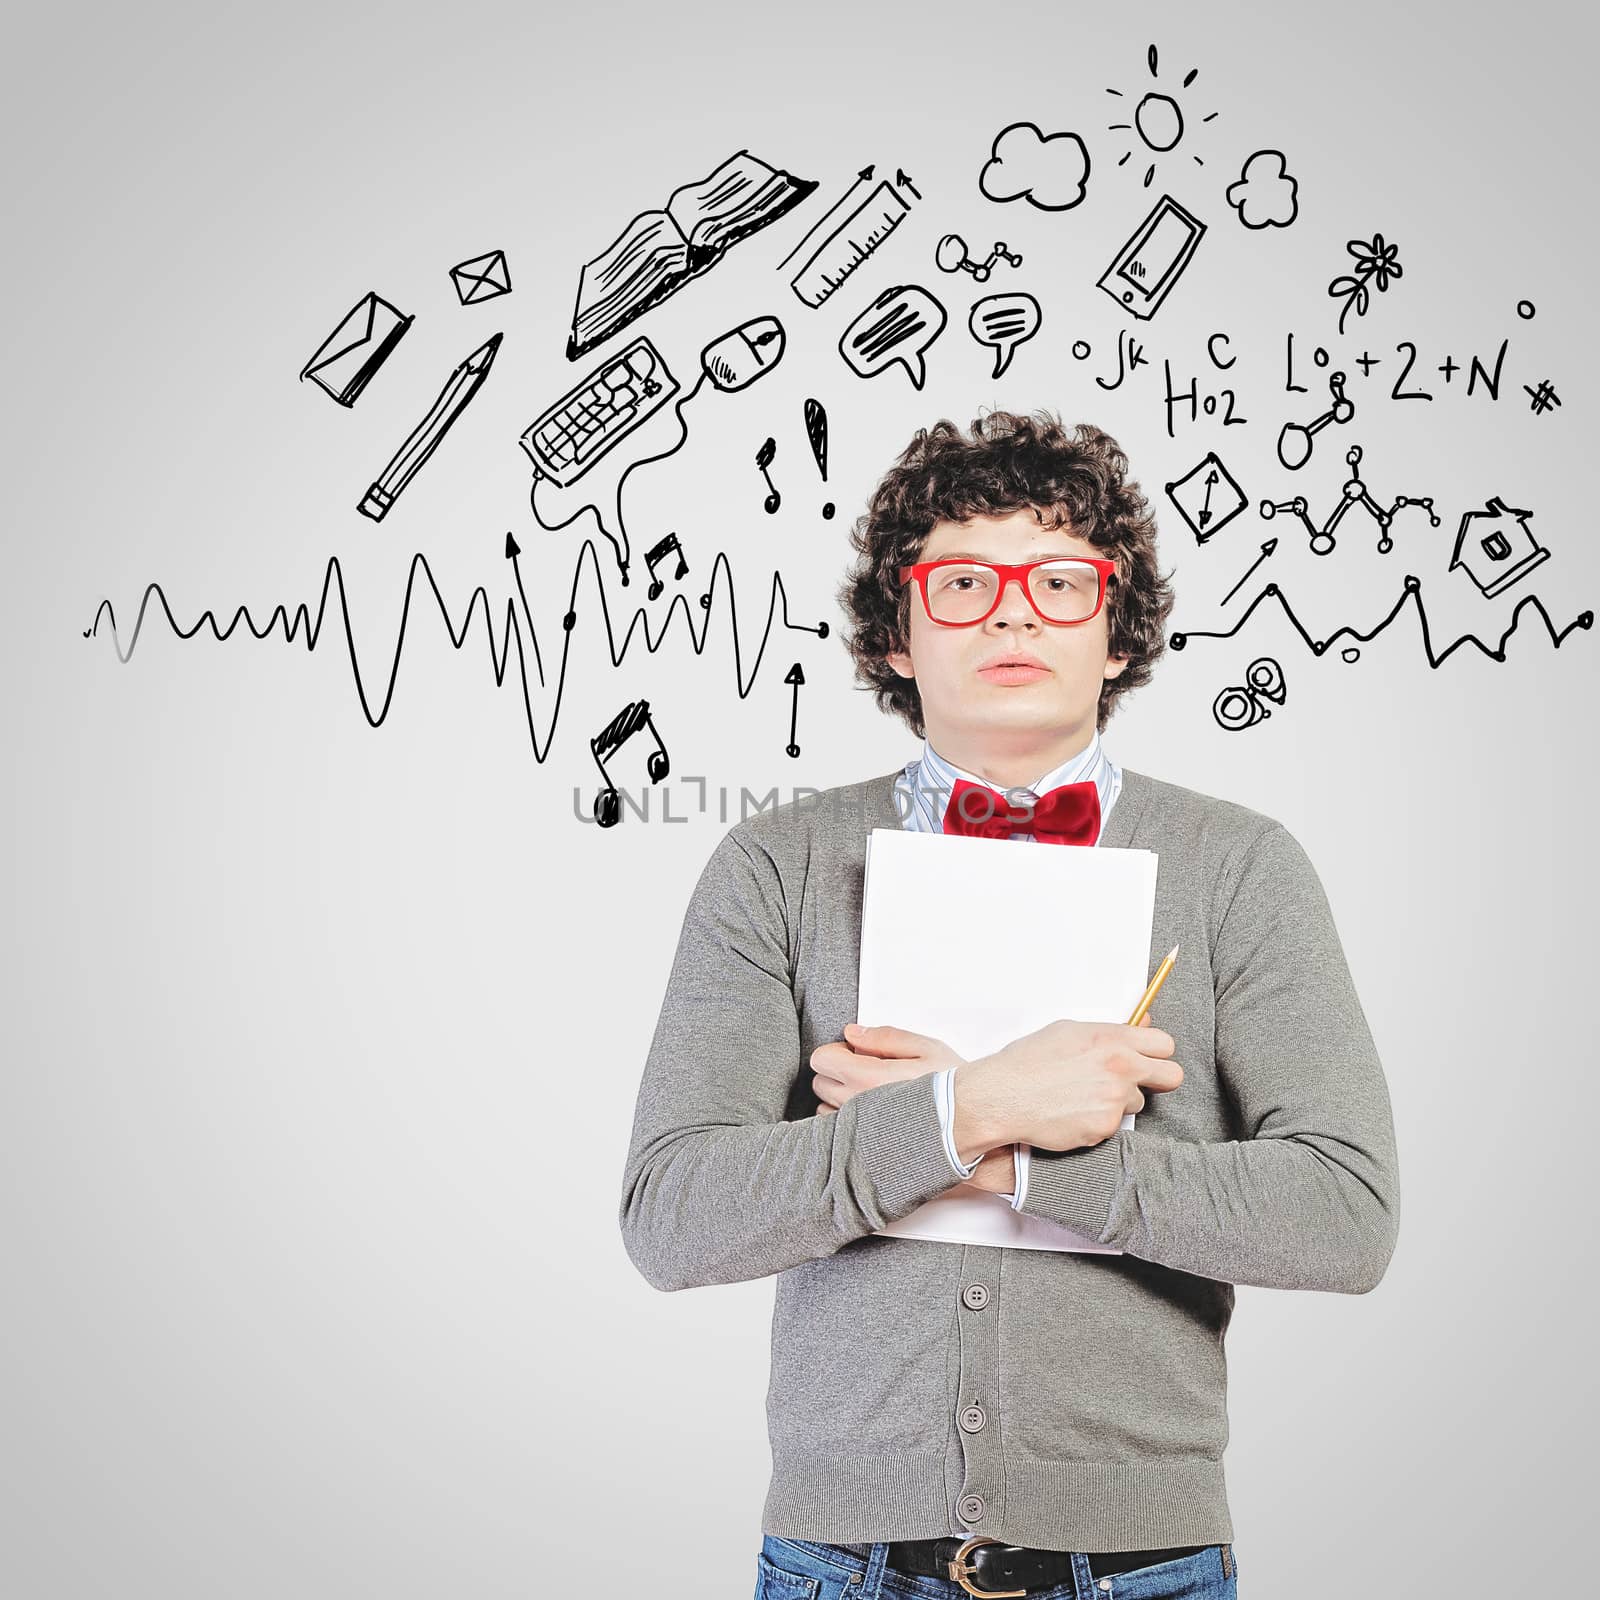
1059	1400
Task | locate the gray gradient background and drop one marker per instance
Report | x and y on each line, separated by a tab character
321	1044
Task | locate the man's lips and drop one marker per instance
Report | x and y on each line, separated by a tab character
1013	672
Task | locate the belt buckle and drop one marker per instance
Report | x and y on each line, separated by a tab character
960	1570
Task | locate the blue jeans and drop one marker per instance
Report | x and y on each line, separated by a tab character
798	1569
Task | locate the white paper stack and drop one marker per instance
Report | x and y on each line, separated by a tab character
978	941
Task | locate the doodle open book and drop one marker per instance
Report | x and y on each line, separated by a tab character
979	941
660	251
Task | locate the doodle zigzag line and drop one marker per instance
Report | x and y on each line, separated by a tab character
499	651
1413	593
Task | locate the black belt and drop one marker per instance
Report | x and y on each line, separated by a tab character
991	1568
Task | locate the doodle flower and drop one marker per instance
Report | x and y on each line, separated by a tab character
1376	263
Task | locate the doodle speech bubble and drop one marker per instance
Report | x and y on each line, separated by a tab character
1004	321
897	327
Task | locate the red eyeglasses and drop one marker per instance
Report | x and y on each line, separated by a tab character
958	593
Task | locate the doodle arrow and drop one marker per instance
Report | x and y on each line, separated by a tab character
513	550
1205	510
796	676
1266	550
863	176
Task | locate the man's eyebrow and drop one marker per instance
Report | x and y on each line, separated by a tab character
967	555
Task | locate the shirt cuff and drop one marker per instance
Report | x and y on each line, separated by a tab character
944	1096
1019	1156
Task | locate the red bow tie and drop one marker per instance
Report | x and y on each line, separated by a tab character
1069	814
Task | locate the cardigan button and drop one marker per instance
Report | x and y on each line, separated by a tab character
970	1508
973	1418
976	1295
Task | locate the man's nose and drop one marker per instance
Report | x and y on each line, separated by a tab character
1015	606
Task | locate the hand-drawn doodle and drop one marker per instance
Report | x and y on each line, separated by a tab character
816	420
615	399
511	646
1296	440
425	438
1130	357
849	241
633	716
345	362
903	178
1502	550
897	327
1410	594
951	256
1543	397
744	354
660	251
764	459
1050	171
795	676
1207	496
484	277
598	413
1143	272
656	554
1377	263
1265	196
1158	119
1266	550
1243	705
1004	321
1354	493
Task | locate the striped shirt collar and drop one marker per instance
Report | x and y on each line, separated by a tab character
922	788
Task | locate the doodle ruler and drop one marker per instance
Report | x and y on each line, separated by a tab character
880	212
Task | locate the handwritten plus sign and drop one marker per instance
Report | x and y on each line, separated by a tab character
1449	369
1366	363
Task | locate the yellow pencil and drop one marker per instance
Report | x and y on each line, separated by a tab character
1155	983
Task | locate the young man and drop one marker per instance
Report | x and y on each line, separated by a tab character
950	1418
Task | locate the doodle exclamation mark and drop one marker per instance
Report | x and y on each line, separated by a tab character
817	434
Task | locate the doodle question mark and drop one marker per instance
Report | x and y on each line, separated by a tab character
897	327
1004	321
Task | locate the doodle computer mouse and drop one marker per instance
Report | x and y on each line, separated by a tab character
741	356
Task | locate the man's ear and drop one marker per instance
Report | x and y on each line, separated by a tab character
1116	666
901	662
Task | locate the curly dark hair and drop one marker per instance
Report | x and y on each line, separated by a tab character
1074	479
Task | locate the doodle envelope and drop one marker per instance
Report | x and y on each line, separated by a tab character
978	941
347	359
484	277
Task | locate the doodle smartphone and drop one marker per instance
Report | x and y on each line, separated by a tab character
1153	259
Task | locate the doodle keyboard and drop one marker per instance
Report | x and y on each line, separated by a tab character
599	412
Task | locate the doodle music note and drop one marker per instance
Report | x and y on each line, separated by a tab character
633	716
764	458
658	552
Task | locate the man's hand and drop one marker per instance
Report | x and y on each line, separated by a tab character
870	1056
1063	1086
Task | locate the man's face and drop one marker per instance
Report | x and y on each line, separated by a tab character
978	719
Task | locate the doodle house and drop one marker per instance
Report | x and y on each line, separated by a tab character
1496	546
